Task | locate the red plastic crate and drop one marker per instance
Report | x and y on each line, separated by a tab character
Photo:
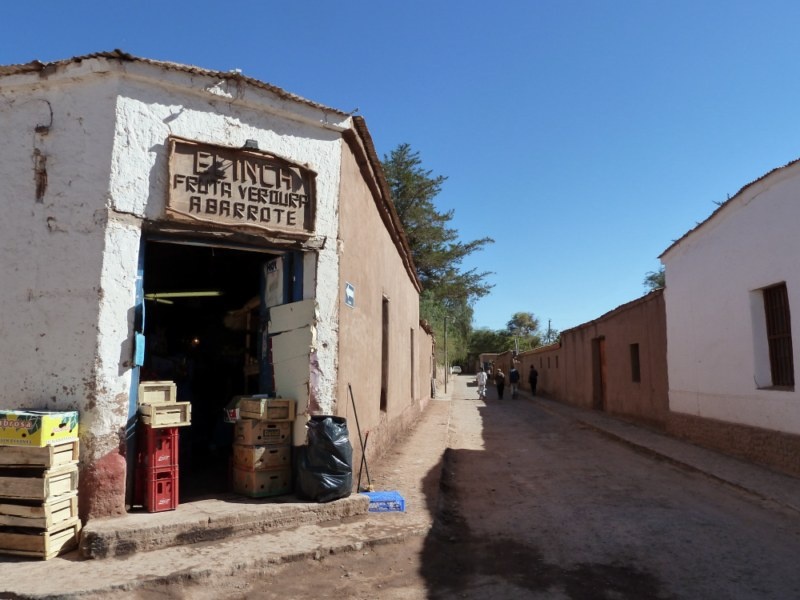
158	448
162	489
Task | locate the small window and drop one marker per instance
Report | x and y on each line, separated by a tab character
636	373
556	361
779	335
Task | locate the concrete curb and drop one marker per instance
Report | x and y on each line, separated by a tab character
207	520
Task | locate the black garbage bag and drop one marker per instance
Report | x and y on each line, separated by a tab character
325	464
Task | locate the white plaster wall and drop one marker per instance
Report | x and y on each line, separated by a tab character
715	345
218	113
51	251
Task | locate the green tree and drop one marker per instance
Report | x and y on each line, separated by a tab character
435	246
488	341
654	280
523	328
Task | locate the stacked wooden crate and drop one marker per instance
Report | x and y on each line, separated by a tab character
157	470
262	449
38	483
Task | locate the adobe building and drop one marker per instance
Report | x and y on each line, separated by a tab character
616	363
167	222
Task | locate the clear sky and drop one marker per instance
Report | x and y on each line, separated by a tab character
583	136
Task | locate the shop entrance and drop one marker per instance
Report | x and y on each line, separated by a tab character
202	326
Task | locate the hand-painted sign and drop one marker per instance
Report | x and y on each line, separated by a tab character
239	187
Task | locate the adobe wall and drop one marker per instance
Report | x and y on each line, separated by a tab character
568	371
370	262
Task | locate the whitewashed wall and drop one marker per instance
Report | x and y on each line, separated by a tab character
68	263
52	251
716	350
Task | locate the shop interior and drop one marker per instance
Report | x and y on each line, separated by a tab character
201	329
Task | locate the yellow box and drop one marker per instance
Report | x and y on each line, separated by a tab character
37	427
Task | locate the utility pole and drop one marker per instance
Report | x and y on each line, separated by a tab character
446	368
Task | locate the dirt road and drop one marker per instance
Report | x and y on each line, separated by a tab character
532	505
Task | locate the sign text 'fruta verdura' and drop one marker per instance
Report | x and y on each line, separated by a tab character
231	186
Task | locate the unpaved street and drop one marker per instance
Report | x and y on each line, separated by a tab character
532	505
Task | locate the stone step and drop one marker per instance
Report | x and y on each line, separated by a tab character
224	517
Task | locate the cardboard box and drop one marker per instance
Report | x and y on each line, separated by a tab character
259	458
266	409
250	432
37	427
260	484
386	502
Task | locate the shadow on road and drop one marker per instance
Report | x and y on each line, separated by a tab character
456	562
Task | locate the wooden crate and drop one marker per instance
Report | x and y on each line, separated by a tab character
167	414
250	432
41	515
267	409
41	544
157	392
54	455
259	458
260	484
35	483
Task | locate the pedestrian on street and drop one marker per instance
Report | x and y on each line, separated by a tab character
481	381
500	382
533	377
513	378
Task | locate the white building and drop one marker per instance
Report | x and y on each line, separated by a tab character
240	234
732	304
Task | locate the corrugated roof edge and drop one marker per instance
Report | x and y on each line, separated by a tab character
38	66
724	204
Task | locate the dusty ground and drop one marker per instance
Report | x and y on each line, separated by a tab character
534	506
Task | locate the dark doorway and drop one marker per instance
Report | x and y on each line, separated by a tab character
201	307
599	373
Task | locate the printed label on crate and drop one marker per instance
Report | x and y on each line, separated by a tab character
37	428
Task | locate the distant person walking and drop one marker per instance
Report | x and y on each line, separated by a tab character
481	381
513	378
533	378
500	383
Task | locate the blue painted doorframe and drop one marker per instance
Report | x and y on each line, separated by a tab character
137	362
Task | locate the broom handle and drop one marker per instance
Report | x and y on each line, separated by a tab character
360	440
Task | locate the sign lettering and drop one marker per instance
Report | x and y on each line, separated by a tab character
238	187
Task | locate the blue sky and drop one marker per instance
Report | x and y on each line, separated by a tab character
583	136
